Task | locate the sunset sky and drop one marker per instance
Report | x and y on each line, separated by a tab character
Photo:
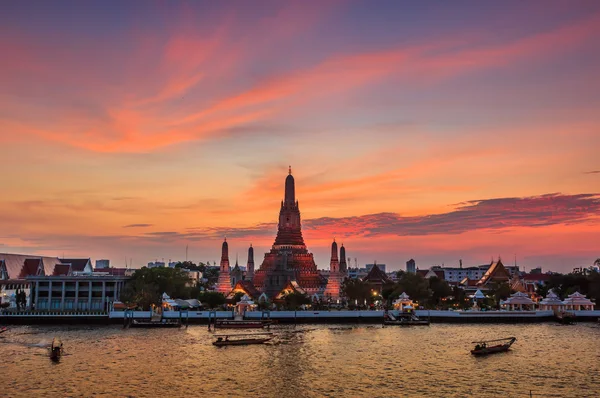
430	130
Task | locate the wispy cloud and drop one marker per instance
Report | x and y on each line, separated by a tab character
592	172
487	214
138	225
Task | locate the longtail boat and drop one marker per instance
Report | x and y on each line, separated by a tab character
242	339
482	347
56	349
3	329
241	324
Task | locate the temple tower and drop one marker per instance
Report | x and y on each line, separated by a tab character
250	264
224	281
334	282
343	264
334	263
289	259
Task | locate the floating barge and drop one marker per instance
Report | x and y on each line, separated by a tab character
242	339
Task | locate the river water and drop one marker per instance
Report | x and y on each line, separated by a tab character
303	361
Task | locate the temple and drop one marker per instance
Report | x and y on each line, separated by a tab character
224	281
338	270
289	260
250	264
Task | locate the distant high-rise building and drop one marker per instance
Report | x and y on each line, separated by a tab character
102	264
411	266
156	264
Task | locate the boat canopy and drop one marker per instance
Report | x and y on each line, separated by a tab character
493	341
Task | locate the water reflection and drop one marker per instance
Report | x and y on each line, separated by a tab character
307	361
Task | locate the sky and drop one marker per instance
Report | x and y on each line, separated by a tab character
431	130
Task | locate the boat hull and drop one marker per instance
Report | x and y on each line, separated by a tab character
4	329
406	323
490	350
241	324
241	342
150	324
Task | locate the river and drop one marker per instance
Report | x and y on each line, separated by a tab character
303	361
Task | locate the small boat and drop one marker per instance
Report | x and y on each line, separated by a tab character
242	339
56	349
3	329
164	323
482	347
408	319
241	324
565	318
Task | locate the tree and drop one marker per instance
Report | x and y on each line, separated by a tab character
439	290
357	291
212	299
148	284
597	262
414	285
499	291
294	300
211	274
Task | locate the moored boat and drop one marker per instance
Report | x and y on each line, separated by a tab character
163	323
405	319
241	324
242	339
56	349
565	318
482	347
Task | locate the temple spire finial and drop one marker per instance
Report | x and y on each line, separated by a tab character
290	170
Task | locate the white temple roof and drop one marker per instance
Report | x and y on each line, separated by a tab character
551	299
577	299
519	298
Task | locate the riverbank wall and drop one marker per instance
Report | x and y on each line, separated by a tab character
315	317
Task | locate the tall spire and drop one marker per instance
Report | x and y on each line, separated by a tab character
225	251
343	264
290	189
250	264
334	250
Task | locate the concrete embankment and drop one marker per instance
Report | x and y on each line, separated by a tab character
358	317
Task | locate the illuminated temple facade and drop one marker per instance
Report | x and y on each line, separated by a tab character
289	262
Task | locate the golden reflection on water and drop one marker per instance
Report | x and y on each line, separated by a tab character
304	361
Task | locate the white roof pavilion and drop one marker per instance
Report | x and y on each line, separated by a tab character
518	298
551	300
577	300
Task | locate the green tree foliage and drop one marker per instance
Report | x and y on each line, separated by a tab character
212	274
355	290
415	286
148	284
440	290
211	300
563	285
497	292
294	300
